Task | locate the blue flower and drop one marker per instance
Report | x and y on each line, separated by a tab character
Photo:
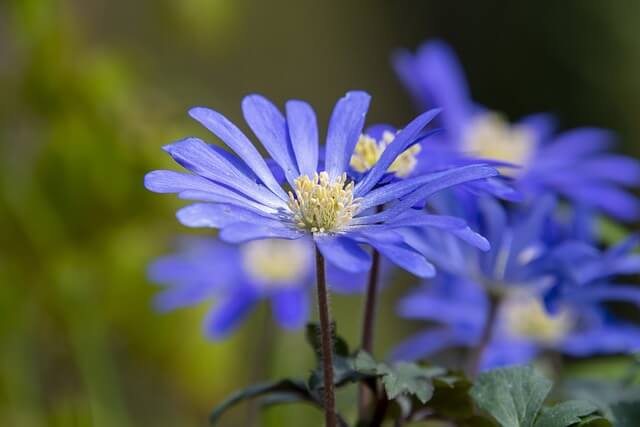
523	329
590	275
319	201
237	278
574	164
535	256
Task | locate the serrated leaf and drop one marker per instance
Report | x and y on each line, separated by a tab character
566	413
513	396
627	414
288	386
407	378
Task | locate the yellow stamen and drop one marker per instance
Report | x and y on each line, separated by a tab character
525	317
368	152
321	206
490	136
276	262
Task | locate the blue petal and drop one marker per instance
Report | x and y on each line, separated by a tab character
345	128
446	309
613	168
218	215
607	198
568	146
291	307
303	130
238	142
607	339
343	253
198	157
269	125
194	187
228	314
444	180
621	293
400	143
405	257
405	67
183	296
443	78
241	232
426	343
508	353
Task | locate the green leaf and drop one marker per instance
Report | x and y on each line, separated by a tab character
566	413
312	334
409	378
288	386
451	397
513	396
627	414
594	421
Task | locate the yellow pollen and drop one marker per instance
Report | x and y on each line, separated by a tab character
525	317
490	136
368	152
276	263
321	206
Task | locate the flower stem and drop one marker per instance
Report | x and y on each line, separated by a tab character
475	359
326	343
364	394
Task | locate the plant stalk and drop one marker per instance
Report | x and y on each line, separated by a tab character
371	303
475	359
326	343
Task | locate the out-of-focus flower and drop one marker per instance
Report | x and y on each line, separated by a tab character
535	257
523	328
237	278
246	201
574	164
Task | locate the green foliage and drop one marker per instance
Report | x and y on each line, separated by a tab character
627	414
515	396
565	413
285	390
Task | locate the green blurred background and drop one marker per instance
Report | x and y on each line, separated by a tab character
90	90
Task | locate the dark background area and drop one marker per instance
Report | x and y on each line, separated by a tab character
89	92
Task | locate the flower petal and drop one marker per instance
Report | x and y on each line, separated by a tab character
238	142
303	130
198	157
240	232
269	125
291	307
343	253
229	313
218	215
345	127
400	143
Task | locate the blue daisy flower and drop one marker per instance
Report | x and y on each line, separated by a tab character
278	271
575	164
240	195
536	255
523	328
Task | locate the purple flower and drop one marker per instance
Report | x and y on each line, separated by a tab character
536	257
240	195
575	164
237	278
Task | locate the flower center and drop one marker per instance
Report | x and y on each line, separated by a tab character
322	206
526	318
490	136
368	152
276	263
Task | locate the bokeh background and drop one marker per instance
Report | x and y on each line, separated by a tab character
89	92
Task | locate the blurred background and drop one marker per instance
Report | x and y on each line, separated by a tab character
89	92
